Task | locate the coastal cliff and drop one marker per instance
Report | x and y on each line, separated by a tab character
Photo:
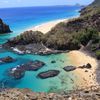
4	28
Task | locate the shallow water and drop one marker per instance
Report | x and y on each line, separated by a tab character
20	19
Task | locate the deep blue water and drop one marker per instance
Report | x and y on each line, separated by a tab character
19	20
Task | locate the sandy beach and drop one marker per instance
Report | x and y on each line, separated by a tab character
45	27
84	77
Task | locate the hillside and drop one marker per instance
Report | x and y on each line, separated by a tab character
72	35
91	9
4	28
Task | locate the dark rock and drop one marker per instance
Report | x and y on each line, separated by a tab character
16	73
6	60
86	70
33	65
88	66
53	61
19	71
4	28
69	68
48	74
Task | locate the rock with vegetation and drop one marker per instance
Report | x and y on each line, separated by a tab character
48	74
4	28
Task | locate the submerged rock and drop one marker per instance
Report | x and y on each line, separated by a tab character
48	74
53	61
7	59
69	68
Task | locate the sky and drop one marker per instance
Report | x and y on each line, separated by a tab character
23	3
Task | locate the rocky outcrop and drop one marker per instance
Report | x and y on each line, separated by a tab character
69	68
6	60
29	42
4	28
48	74
87	66
18	72
89	93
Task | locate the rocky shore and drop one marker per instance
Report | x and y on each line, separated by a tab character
30	42
4	28
89	93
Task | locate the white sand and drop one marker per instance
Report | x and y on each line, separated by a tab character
45	27
84	79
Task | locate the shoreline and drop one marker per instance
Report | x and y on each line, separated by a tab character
47	26
85	77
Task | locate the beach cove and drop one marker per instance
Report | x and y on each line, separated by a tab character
65	80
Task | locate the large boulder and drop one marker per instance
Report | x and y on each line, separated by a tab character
48	74
4	28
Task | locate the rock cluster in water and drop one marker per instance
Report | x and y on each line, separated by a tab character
19	71
4	28
72	68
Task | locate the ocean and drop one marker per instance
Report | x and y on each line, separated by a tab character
21	19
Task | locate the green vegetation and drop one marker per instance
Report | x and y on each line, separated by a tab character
28	37
98	54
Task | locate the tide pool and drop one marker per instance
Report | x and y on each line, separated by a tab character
21	19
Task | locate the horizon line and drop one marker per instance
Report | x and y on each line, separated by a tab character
41	6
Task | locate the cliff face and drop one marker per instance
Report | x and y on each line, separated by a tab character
4	28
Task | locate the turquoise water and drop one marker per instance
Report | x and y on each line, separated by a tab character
20	19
